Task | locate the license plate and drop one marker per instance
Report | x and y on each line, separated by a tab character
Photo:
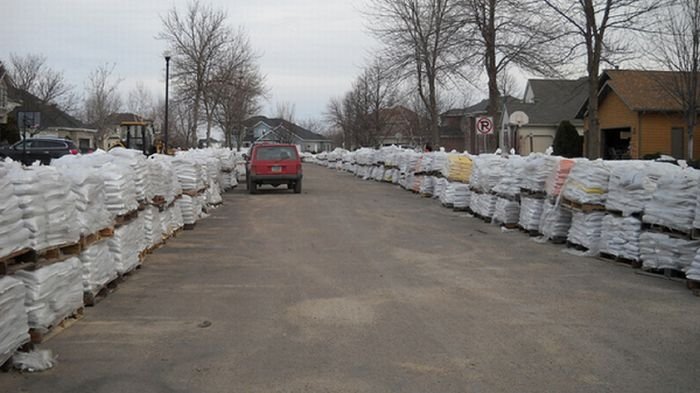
276	169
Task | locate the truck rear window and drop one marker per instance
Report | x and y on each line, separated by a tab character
275	153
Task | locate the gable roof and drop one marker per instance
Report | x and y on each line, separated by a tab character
301	132
554	100
51	115
116	119
479	108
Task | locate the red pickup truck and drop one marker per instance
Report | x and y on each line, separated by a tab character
274	164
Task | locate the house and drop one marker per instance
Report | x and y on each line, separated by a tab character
48	120
458	128
546	103
639	115
6	103
400	127
262	129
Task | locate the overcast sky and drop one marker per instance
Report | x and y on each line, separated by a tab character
311	49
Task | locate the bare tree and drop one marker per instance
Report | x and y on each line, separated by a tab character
597	31
31	73
101	98
677	48
422	43
184	133
198	39
140	101
285	110
510	32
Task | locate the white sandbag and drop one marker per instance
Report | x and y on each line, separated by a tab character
537	169
447	197
462	196
587	182
135	160
632	184
487	171
673	204
54	292
14	236
620	236
661	251
98	267
555	221
693	272
14	325
506	211
483	204
585	230
530	213
440	185
126	244
510	183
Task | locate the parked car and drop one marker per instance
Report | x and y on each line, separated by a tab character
274	164
39	149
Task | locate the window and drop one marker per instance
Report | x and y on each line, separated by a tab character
276	153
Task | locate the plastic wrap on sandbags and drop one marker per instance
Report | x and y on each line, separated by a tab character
585	230
512	178
187	207
14	236
661	251
462	196
482	204
447	197
48	206
506	211
88	189
120	191
530	213
460	167
555	221
153	228
587	182
54	292
560	169
440	184
693	272
440	163
673	204
14	326
632	184
126	244
427	185
537	170
98	267
188	173
619	236
487	172
136	161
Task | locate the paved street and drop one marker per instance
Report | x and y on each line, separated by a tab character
358	286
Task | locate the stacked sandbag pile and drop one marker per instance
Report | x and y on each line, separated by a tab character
693	272
153	228
118	180
460	167
98	267
88	190
507	207
462	196
585	230
483	204
661	251
14	236
486	174
14	326
561	167
447	197
427	185
530	212
188	174
537	170
587	182
673	204
632	184
187	206
440	186
53	293
555	221
619	236
136	161
48	206
127	243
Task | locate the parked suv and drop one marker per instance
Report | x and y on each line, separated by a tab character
273	164
39	149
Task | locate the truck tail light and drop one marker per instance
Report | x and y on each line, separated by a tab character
73	151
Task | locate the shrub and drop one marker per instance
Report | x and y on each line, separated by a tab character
567	142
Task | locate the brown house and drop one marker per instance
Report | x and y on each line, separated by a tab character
639	115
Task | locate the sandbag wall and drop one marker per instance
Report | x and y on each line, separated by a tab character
643	213
72	228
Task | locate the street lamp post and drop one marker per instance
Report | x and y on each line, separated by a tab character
167	81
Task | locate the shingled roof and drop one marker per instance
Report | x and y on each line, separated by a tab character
51	115
299	131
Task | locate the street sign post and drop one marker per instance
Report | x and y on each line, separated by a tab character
484	126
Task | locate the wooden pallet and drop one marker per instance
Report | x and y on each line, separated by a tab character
635	263
530	232
448	205
38	337
125	218
558	240
12	262
510	226
582	207
674	233
91	299
462	209
618	213
106	232
189	227
575	246
532	194
669	274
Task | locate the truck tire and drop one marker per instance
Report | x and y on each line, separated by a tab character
297	187
252	187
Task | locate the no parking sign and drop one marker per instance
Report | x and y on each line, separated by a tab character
484	125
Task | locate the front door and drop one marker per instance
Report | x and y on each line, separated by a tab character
677	150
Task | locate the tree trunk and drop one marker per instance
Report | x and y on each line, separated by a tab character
593	148
491	69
